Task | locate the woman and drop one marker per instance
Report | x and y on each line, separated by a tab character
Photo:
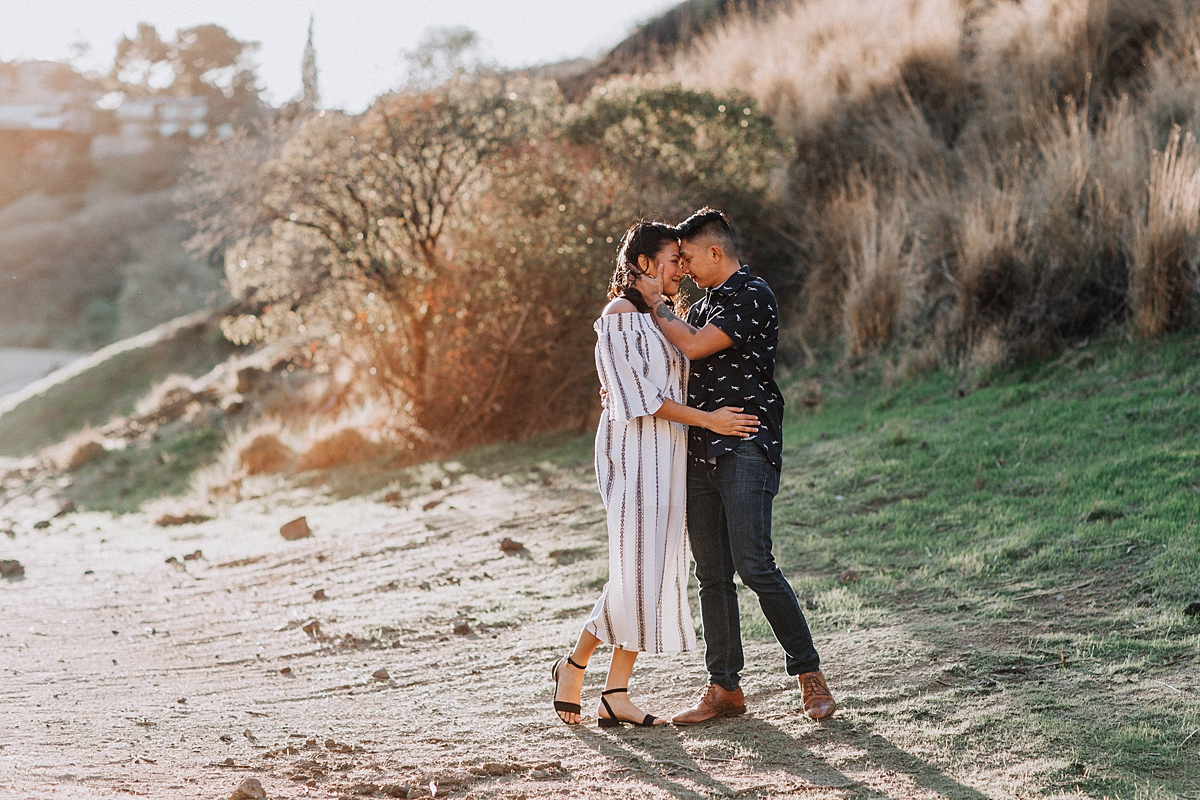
641	451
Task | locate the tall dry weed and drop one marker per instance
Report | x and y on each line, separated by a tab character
1163	244
1017	137
880	277
991	256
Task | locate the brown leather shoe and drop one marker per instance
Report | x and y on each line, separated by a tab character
716	702
815	694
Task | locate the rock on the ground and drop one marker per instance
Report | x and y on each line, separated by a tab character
11	569
510	546
296	529
249	789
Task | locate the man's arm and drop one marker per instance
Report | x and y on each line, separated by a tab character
693	342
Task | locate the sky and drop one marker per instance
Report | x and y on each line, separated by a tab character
359	43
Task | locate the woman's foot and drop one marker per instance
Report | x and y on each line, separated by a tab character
568	690
625	710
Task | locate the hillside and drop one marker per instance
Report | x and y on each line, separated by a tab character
658	40
91	391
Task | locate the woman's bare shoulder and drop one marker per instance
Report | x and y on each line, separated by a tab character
618	305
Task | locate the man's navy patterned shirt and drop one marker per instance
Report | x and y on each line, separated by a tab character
743	374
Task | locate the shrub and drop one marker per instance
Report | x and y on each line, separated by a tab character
453	240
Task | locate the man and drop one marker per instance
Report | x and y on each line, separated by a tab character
731	336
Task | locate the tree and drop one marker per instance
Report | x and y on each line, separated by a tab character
202	61
310	96
443	54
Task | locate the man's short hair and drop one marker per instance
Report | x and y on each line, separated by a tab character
712	225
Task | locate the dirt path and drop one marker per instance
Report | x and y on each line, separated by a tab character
121	674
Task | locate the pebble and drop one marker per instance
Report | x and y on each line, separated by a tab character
249	789
319	594
381	675
11	569
296	529
510	546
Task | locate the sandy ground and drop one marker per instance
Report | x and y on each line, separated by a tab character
121	674
21	366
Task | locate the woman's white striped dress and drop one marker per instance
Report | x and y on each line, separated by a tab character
641	466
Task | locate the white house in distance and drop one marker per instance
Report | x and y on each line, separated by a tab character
51	103
140	121
43	96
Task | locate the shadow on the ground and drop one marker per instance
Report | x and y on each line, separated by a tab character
660	758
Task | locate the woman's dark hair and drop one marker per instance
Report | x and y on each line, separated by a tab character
642	239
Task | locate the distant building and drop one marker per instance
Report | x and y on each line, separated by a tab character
44	96
141	121
51	108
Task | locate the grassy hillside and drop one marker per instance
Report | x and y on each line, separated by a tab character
1045	526
111	386
975	182
659	39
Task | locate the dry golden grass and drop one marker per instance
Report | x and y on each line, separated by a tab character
880	276
804	62
344	447
1020	140
265	454
990	255
1163	247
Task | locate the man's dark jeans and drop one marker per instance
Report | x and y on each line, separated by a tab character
729	523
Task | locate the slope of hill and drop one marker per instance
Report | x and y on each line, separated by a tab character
654	42
92	390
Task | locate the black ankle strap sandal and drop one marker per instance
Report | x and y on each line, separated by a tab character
613	721
563	705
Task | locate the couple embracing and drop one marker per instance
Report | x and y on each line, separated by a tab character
689	446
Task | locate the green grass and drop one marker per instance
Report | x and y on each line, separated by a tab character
1050	514
124	479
